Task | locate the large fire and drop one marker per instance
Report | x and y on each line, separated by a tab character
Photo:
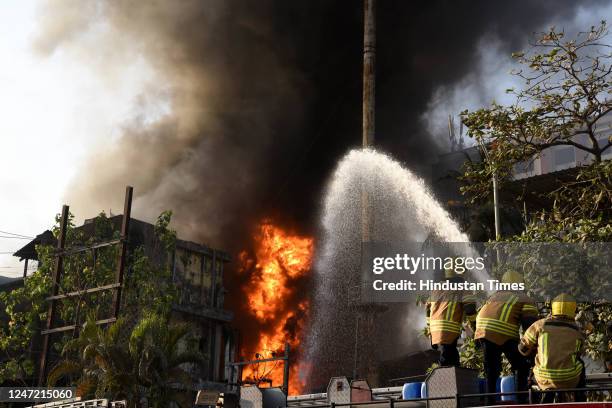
281	260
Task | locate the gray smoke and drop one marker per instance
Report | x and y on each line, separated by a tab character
252	102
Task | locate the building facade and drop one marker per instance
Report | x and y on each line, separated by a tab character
197	274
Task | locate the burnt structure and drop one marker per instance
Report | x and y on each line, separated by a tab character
197	273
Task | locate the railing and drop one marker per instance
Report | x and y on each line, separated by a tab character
458	397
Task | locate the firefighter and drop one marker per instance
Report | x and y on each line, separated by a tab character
556	342
497	332
445	312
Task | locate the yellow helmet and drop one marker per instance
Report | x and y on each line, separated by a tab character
564	305
512	277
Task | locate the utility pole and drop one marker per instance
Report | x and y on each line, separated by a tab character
364	364
369	71
496	216
496	208
368	102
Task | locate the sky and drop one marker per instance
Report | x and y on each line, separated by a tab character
55	111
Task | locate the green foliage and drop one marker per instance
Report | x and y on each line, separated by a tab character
596	320
23	322
567	91
566	94
581	211
148	289
149	367
471	356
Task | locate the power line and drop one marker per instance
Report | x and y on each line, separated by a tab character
15	234
14	237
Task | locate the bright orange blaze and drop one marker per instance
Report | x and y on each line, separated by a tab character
280	260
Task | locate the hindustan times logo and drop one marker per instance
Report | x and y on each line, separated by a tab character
413	264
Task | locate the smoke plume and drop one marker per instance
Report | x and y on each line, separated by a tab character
250	103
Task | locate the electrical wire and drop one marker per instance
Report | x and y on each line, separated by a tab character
15	234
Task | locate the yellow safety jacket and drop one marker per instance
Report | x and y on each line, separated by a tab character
499	319
445	313
558	342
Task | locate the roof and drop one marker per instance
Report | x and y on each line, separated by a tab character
141	232
29	250
8	284
535	187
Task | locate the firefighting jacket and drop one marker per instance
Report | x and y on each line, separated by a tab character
446	311
499	318
558	342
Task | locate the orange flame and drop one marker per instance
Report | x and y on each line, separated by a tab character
280	260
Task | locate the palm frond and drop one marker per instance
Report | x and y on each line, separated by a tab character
86	387
62	369
189	356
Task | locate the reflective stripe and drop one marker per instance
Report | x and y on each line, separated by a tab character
544	350
558	374
529	308
507	329
507	308
445	322
578	346
530	337
450	310
487	320
577	367
445	325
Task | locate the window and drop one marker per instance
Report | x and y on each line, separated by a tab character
524	167
565	156
602	141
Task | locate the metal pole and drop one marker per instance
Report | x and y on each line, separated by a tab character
496	209
125	229
369	71
25	269
495	193
356	349
368	131
286	369
57	272
368	101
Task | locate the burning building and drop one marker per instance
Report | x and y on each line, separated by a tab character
276	273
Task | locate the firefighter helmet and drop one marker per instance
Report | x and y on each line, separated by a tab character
564	305
512	277
449	273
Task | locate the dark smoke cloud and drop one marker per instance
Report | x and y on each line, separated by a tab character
264	96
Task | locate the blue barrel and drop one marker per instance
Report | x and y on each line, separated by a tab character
412	391
507	385
423	390
482	385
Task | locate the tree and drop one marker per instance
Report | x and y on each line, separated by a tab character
148	369
162	350
148	288
565	97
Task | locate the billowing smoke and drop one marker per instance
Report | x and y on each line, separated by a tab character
248	104
230	98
